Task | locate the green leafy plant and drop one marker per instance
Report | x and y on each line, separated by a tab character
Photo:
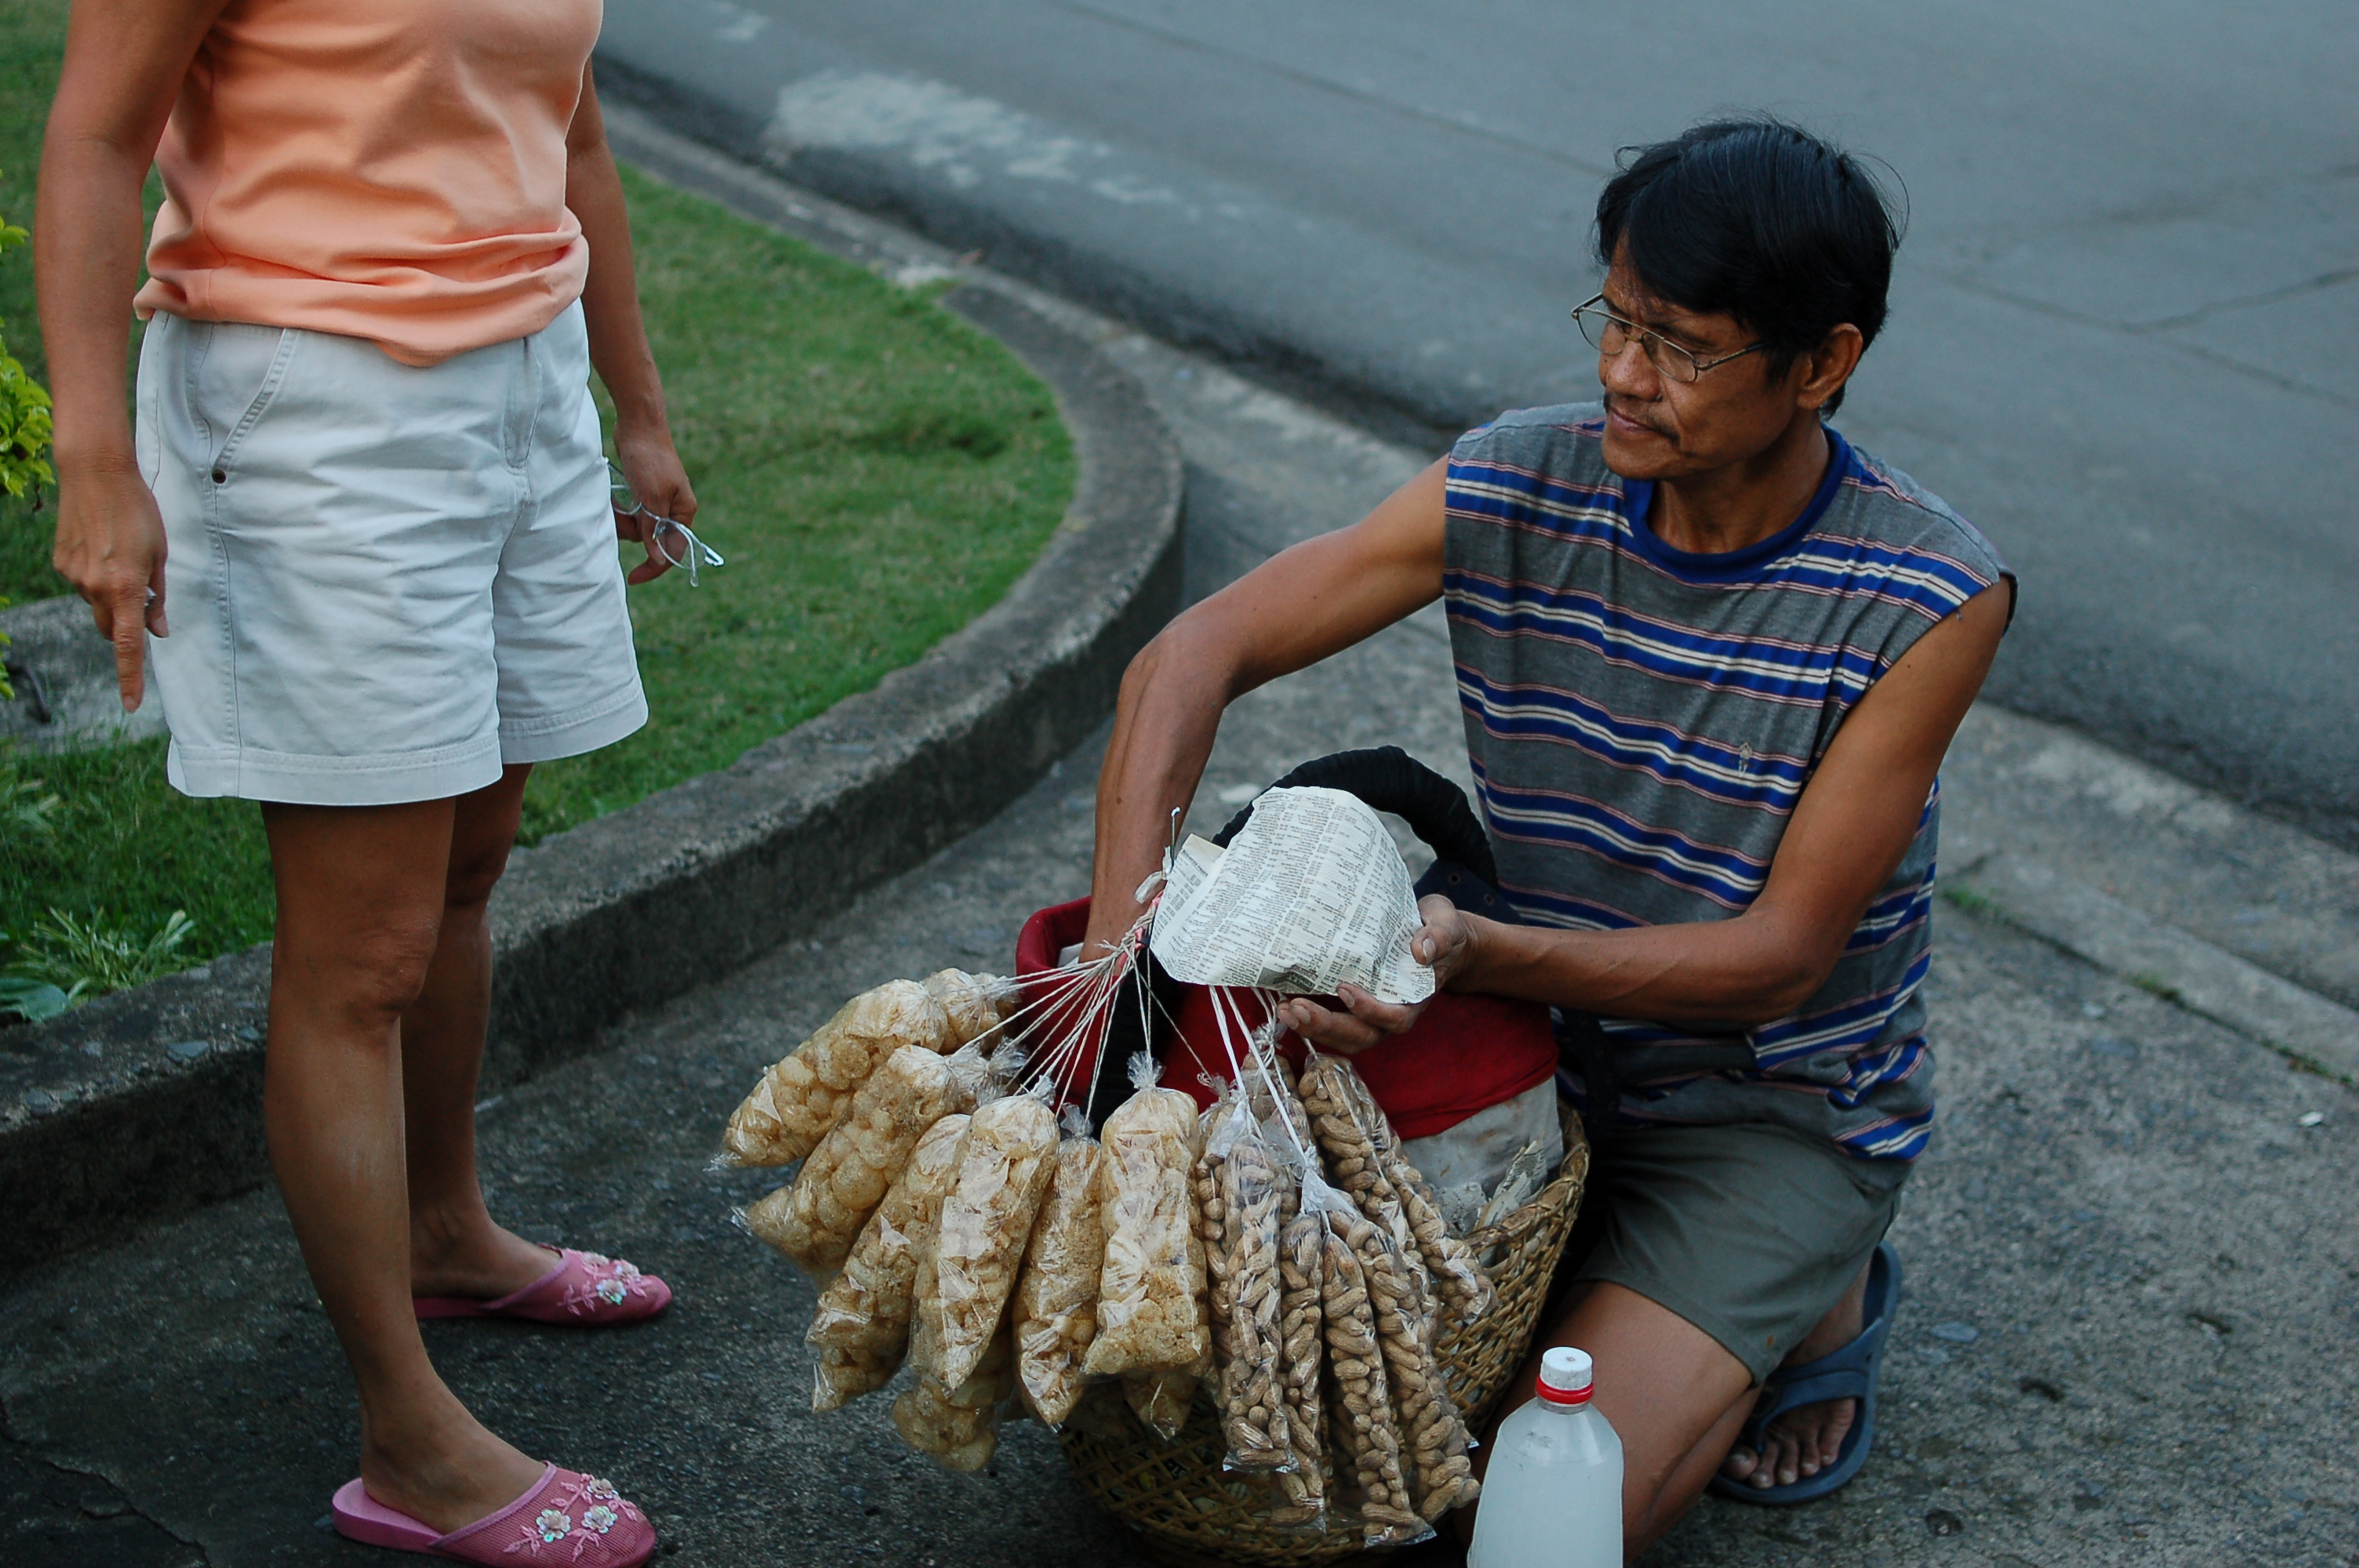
91	957
24	431
33	1000
24	409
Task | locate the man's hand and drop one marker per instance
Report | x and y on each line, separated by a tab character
1446	943
110	546
1315	599
653	468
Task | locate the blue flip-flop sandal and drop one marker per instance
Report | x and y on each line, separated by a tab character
1849	1373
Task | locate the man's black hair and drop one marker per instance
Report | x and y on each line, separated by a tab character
1758	220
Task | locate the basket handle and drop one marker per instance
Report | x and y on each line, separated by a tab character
1389	779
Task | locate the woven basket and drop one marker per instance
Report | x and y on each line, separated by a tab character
1184	1510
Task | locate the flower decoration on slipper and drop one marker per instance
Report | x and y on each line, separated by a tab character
585	1288
565	1519
614	1282
556	1524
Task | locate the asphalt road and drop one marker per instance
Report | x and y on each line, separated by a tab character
2126	338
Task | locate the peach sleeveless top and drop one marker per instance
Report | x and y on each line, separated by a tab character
392	170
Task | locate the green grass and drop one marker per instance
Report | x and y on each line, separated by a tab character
876	471
1971	902
124	848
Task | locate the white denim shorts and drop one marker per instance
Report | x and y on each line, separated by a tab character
383	582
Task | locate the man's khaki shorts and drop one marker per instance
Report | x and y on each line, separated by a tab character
1749	1231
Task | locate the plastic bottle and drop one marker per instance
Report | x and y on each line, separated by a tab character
1552	1496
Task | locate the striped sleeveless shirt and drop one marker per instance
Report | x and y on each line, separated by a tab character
1641	721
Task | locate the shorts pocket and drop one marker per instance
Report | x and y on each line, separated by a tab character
237	379
146	428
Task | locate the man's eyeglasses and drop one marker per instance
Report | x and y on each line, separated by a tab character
1609	335
668	532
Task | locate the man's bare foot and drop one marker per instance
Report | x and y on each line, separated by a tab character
470	1258
442	1467
1802	1442
1808	1438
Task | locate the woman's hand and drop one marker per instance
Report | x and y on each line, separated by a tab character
126	63
1445	943
110	546
652	466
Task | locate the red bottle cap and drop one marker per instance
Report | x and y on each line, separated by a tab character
1565	1376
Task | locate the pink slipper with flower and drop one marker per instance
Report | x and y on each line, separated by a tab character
577	1520
585	1288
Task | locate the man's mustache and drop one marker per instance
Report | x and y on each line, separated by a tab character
1615	404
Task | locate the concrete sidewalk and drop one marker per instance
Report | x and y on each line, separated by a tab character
2132	1272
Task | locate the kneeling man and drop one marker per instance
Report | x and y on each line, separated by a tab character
1710	656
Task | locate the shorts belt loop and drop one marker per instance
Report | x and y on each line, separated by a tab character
1579	1036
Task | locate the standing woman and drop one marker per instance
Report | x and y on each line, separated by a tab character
367	528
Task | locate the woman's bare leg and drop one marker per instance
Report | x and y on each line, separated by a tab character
455	1249
1670	1391
360	900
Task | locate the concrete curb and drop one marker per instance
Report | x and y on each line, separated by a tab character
2233	915
2160	957
148	1102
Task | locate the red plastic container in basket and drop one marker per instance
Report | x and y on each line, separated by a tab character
1463	1055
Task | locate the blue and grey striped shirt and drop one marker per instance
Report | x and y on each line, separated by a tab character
1642	721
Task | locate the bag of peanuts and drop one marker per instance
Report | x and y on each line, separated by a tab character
1354	1255
1302	1490
815	1219
1151	1291
1253	1415
806	1092
1434	1441
1455	1270
1415	1269
1204	1190
1352	1159
860	1330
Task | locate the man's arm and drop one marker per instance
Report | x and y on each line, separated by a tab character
125	61
618	336
1854	821
1289	612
